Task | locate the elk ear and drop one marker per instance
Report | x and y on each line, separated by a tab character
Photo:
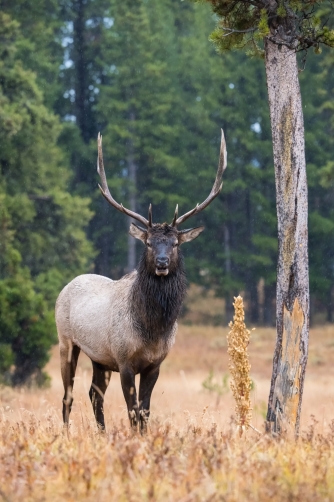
189	234
138	232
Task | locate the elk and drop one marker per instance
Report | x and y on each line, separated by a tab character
129	325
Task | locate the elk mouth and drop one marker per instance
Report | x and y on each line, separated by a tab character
161	271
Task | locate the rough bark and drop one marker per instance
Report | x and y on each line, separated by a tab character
292	294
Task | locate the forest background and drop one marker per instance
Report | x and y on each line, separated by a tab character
146	75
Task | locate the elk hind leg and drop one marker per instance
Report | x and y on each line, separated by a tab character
100	382
69	354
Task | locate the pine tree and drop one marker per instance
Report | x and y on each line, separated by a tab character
285	28
211	94
133	102
153	57
317	89
42	226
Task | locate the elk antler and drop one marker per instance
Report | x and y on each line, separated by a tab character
217	186
107	195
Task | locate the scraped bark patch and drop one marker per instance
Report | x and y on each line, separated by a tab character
287	388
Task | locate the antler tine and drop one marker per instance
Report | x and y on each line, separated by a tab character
217	186
105	190
150	215
175	215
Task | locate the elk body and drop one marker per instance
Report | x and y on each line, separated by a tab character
128	326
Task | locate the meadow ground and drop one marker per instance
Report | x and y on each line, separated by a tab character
191	452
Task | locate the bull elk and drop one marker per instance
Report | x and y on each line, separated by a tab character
129	325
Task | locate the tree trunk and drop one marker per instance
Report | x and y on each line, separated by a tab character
292	294
132	176
81	101
132	206
253	300
329	306
103	265
251	276
268	308
228	297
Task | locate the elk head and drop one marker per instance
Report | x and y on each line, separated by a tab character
162	240
162	243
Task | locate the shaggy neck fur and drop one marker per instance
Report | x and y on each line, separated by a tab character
157	301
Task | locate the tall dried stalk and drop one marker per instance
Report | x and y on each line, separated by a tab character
238	340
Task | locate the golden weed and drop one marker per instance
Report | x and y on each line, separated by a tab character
238	340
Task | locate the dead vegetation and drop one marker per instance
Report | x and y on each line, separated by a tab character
239	366
197	462
192	452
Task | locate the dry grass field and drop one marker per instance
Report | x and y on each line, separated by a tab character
191	452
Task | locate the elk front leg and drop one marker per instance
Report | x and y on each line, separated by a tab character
148	380
100	382
129	390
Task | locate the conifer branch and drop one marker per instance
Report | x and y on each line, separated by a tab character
231	31
295	25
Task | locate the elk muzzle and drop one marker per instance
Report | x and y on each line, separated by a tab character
162	265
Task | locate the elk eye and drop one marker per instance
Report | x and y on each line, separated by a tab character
149	245
175	245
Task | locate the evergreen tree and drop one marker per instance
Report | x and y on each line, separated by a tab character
40	49
134	101
42	226
210	94
317	89
146	76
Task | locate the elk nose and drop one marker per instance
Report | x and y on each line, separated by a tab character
162	261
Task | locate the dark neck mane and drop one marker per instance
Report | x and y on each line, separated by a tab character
156	301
